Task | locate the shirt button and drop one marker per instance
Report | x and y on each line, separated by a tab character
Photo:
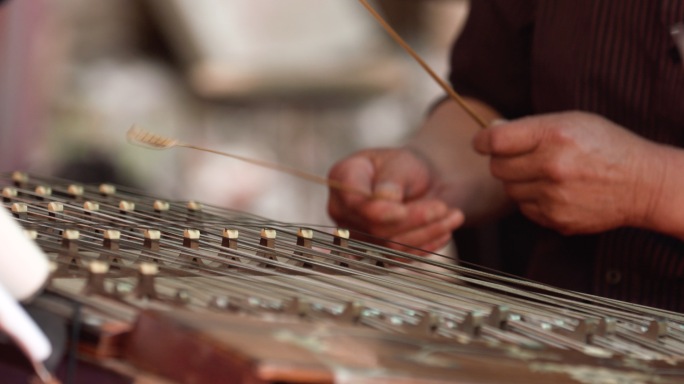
613	277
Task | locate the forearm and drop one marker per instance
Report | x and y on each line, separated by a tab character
462	176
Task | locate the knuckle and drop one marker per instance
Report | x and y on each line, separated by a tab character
555	170
561	134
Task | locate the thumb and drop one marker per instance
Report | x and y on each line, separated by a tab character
405	178
389	189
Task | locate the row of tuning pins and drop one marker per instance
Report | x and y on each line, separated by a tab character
71	258
106	193
304	237
42	193
191	236
508	327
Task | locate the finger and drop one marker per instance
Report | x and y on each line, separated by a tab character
412	216
431	247
356	173
382	212
404	177
524	168
525	192
389	218
368	215
419	215
389	189
510	139
437	244
384	220
422	250
428	235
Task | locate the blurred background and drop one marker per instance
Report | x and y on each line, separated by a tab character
299	82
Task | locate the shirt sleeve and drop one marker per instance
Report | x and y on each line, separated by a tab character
491	59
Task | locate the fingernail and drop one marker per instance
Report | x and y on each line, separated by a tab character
389	191
496	122
455	218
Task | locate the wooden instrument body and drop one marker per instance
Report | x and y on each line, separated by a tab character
172	291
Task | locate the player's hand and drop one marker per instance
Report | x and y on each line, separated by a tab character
398	208
575	172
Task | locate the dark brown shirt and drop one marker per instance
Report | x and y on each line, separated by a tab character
611	57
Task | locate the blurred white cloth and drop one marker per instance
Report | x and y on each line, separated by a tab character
23	266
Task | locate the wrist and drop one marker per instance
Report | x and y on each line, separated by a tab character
663	200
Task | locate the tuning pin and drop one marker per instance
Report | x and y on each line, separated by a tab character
126	207
97	271
230	238
229	241
75	191
68	257
152	237
55	209
145	288
498	317
20	179
182	297
70	240
19	210
111	239
161	207
583	332
90	208
340	240
191	238
151	246
219	302
194	208
9	193
472	324
268	238
55	214
297	307
657	329
352	312
606	327
110	243
305	240
427	326
43	192
107	190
